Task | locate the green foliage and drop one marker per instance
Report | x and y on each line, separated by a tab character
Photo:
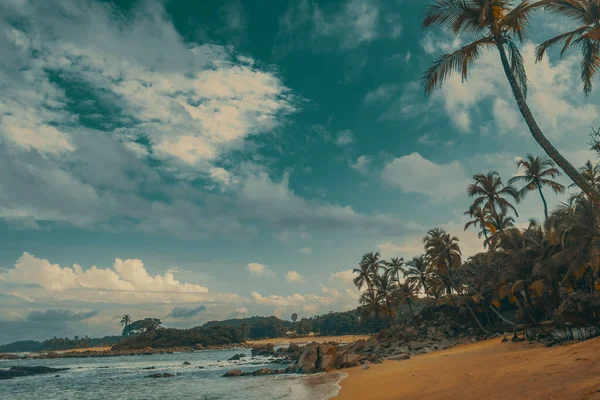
168	337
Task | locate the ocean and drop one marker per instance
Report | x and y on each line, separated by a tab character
124	377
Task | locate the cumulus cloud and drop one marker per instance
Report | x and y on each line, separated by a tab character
293	276
345	277
182	312
415	174
126	282
257	269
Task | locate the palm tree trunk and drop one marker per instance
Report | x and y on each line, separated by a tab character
543	201
537	133
477	319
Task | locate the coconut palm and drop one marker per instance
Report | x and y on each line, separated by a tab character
125	320
591	173
480	219
494	24
417	273
537	173
405	292
394	267
386	288
491	194
443	253
364	276
372	303
586	37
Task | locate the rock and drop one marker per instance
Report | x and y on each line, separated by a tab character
378	360
365	366
262	371
15	372
9	357
424	350
347	360
149	368
233	372
504	339
187	363
201	367
159	375
414	345
237	357
198	346
52	355
263	350
307	362
399	357
444	344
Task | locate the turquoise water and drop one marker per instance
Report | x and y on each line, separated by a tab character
125	378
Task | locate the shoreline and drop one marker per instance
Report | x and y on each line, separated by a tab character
488	369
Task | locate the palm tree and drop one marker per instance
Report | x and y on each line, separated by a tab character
394	267
294	318
126	320
386	288
371	302
591	173
537	173
586	13
405	292
443	253
418	273
495	24
490	194
367	269
479	218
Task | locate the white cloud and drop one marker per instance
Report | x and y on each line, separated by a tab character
382	94
410	247
305	250
257	269
241	312
293	276
221	176
127	282
434	44
362	164
345	277
344	138
365	19
328	299
413	173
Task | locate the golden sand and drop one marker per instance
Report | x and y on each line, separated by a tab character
483	370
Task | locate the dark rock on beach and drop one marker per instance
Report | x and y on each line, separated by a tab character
237	357
159	375
15	372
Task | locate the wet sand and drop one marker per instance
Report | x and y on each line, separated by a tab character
484	370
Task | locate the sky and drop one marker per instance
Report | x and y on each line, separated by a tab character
202	160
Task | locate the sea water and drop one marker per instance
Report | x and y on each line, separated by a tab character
125	377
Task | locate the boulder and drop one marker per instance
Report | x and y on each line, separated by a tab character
187	363
149	368
365	366
237	357
263	350
263	371
414	345
347	360
307	362
399	357
233	372
327	362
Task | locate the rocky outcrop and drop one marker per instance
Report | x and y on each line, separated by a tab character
159	375
237	357
263	350
324	358
259	372
15	372
307	364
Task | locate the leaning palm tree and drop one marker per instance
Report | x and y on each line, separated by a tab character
495	24
537	173
405	292
586	14
491	194
126	320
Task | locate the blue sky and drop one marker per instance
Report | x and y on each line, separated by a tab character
203	160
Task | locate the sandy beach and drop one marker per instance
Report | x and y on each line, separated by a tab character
309	339
483	370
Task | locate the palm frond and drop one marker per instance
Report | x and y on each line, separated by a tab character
458	61
565	38
456	15
517	65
